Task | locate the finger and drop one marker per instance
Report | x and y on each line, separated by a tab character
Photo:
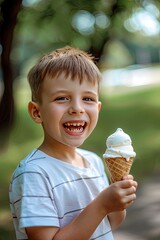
130	190
129	203
128	177
130	199
128	183
128	193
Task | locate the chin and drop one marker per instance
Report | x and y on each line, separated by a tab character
75	144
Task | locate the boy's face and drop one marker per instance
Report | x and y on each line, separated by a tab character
68	110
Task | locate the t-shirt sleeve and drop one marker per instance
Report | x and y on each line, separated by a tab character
33	199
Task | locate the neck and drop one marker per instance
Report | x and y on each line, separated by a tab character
63	153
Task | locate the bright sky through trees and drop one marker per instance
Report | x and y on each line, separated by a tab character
144	20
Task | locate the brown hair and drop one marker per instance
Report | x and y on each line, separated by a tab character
72	62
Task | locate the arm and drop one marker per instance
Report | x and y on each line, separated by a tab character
116	218
80	228
115	198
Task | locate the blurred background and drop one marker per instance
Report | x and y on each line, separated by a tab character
124	37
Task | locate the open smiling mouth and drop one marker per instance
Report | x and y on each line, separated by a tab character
75	127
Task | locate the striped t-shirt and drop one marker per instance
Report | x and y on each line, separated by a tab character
45	191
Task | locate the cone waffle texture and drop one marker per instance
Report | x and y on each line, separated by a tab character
118	167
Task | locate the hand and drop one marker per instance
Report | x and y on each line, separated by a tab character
119	195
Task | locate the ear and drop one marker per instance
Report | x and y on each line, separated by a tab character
33	109
99	106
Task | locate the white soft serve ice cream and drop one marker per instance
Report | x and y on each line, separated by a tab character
119	144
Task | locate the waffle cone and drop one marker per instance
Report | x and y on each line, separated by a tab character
118	167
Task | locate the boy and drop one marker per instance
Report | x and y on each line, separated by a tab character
59	191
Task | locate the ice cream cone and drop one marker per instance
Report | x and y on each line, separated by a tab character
118	167
119	155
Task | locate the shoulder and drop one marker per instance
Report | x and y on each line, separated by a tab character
29	176
30	164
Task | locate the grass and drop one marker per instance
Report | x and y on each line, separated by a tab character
137	113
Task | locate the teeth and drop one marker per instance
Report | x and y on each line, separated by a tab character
75	130
75	124
75	127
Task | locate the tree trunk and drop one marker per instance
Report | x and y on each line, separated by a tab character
9	12
97	51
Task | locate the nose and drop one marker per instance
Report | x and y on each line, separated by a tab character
76	108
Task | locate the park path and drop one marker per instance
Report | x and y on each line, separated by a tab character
143	217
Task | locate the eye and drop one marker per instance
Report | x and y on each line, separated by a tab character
89	99
62	99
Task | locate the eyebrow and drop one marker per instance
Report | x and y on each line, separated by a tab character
91	92
66	91
58	92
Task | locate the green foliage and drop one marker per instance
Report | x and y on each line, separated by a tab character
48	24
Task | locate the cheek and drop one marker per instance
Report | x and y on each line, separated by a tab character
94	114
48	116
